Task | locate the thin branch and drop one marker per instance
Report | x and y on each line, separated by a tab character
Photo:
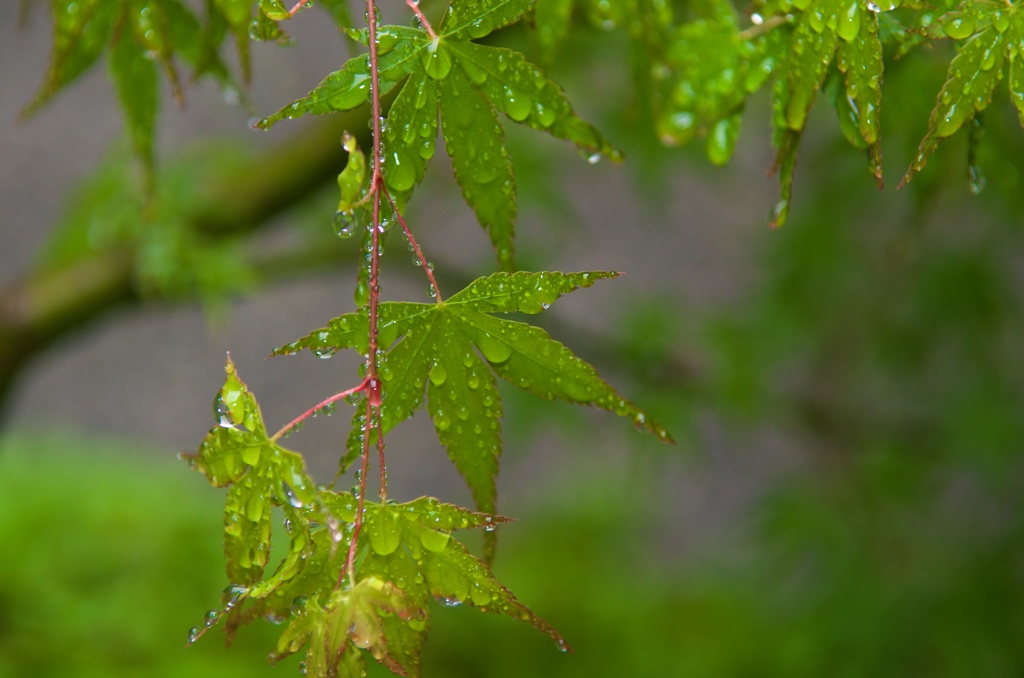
372	381
302	4
319	406
416	248
414	5
350	560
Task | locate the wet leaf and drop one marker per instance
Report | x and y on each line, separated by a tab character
81	32
352	179
136	81
238	453
990	37
469	84
705	76
844	32
451	353
142	37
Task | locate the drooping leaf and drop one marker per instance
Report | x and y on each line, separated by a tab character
141	37
844	32
475	141
709	69
383	606
81	31
136	81
452	351
990	36
239	454
469	83
352	179
420	531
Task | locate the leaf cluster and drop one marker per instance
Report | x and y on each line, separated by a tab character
698	67
143	40
467	84
407	556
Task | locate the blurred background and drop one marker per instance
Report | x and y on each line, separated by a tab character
847	393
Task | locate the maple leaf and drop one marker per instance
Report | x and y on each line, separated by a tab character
469	84
411	557
710	68
990	37
453	350
827	31
143	37
239	454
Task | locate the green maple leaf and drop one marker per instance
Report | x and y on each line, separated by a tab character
469	84
143	37
844	32
991	39
410	556
454	350
715	68
239	454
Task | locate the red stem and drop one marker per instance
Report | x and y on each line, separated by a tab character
383	492
414	5
415	247
323	403
299	5
372	381
350	560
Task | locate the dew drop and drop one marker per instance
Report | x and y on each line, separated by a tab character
495	350
344	224
290	496
434	540
975	179
517	104
438	373
959	28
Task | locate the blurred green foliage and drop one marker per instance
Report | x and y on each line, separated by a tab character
109	557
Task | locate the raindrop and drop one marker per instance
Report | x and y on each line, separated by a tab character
194	633
450	602
231	96
517	105
434	540
442	421
975	179
438	373
960	28
289	495
437	60
344	224
494	350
